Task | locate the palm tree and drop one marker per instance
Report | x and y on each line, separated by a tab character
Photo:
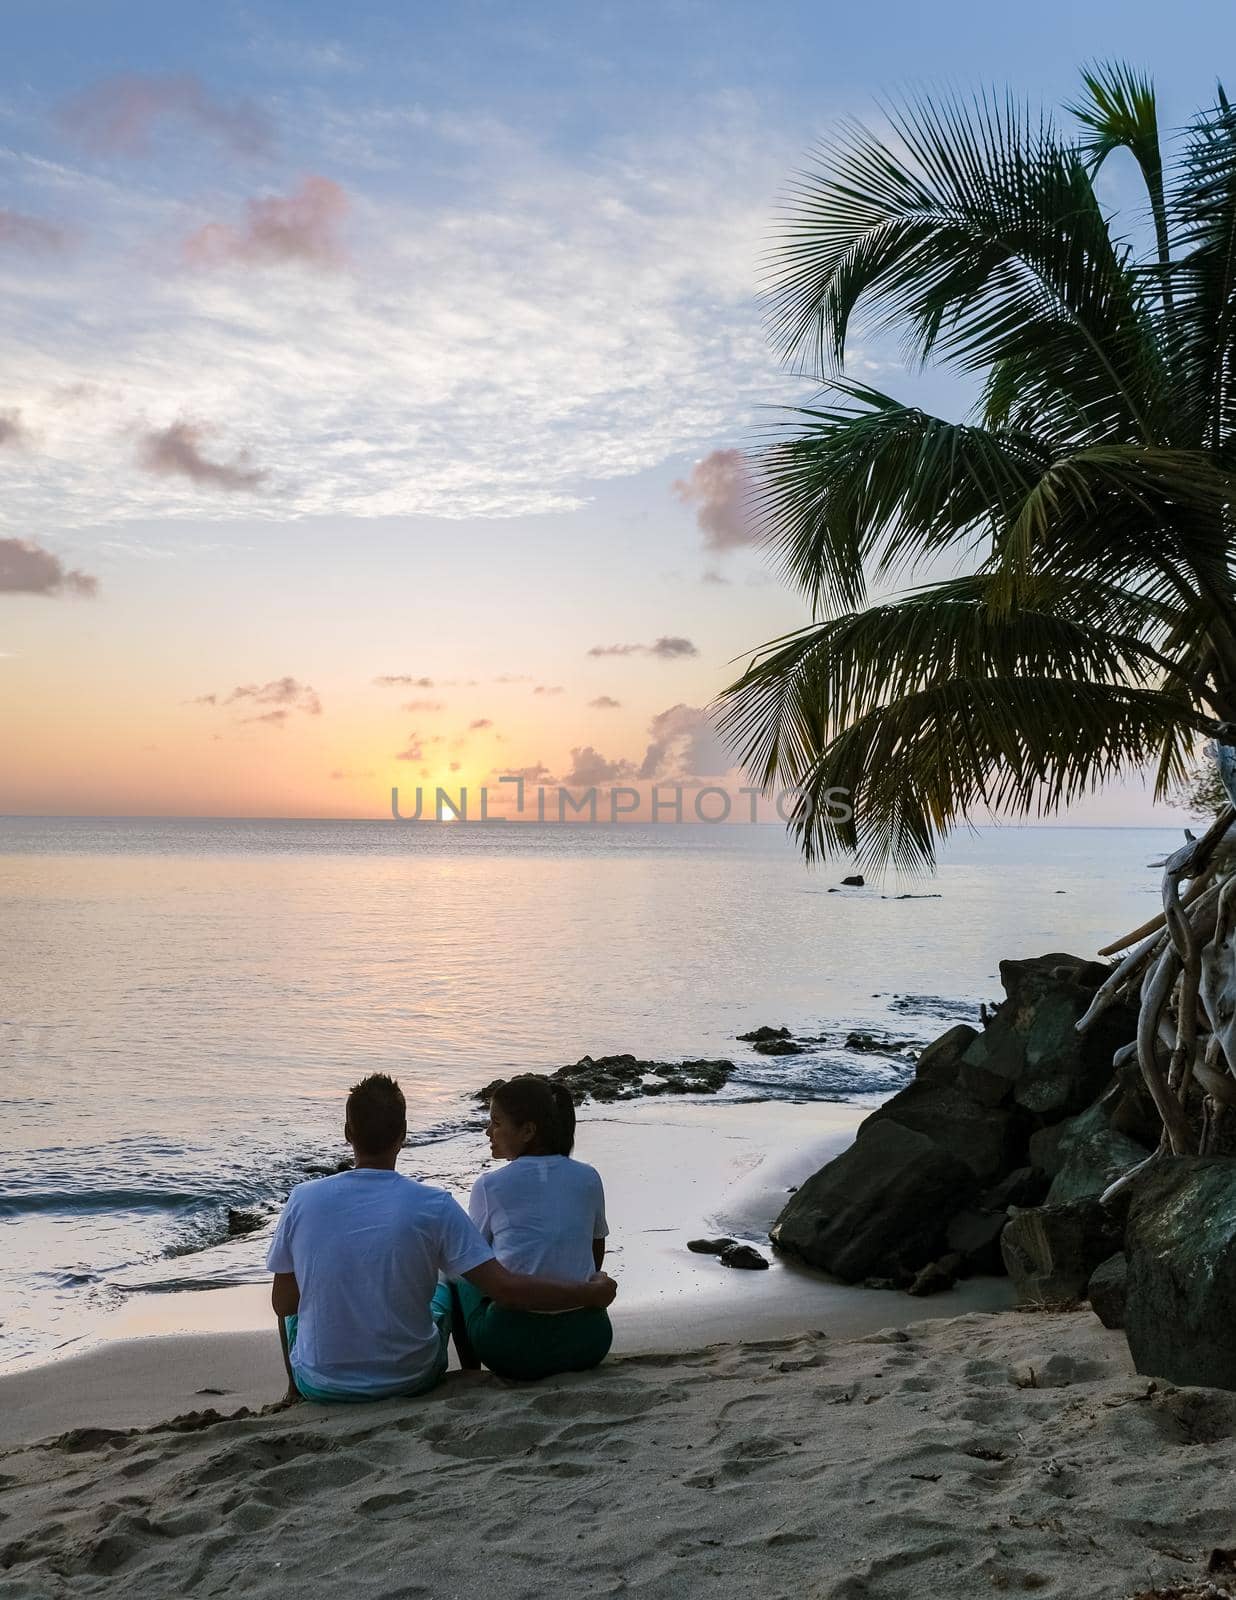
1088	500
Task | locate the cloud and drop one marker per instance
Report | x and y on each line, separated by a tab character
29	234
285	694
11	430
302	226
605	702
711	575
667	648
415	750
117	115
423	705
402	680
549	688
481	722
538	773
719	487
589	767
175	451
513	677
684	744
604	289
27	568
455	765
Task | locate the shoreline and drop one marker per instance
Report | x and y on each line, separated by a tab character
673	1170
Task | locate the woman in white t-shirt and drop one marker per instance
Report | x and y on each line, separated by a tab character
544	1214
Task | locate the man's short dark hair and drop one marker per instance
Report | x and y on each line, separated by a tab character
377	1113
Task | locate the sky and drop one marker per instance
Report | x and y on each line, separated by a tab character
374	379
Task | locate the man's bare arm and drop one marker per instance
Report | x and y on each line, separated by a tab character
521	1292
285	1301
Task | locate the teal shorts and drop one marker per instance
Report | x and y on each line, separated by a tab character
440	1310
527	1344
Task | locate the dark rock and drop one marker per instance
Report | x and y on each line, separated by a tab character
240	1223
1050	1252
880	1208
878	1283
854	881
778	1047
984	1138
627	1078
1106	1290
875	1043
974	1237
940	1061
711	1247
763	1034
1024	1186
1031	1051
1180	1303
319	1169
936	1276
744	1256
1089	1155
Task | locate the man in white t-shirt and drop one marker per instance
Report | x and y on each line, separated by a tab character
356	1261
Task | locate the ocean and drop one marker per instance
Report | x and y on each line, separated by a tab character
183	1004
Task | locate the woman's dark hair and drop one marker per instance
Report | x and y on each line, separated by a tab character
532	1098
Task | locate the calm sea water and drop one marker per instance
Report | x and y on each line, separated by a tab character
183	1004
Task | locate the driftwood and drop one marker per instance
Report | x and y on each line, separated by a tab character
1182	970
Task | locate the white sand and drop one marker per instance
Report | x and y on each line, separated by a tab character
983	1455
814	1460
673	1170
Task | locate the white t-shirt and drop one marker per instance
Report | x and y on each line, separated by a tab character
366	1247
541	1214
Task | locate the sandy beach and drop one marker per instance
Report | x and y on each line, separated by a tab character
769	1432
965	1457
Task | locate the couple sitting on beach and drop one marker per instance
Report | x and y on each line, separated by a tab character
375	1272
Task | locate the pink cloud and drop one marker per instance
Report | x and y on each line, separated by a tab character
549	688
481	722
719	488
605	702
176	452
297	227
117	115
20	232
423	705
400	680
589	767
27	568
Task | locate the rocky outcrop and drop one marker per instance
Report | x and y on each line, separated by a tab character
881	1208
1031	1055
1010	1107
1106	1290
940	1061
1180	1300
1051	1252
627	1078
985	1138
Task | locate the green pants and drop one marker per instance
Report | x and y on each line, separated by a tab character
529	1344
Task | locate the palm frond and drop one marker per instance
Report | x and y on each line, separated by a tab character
982	240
